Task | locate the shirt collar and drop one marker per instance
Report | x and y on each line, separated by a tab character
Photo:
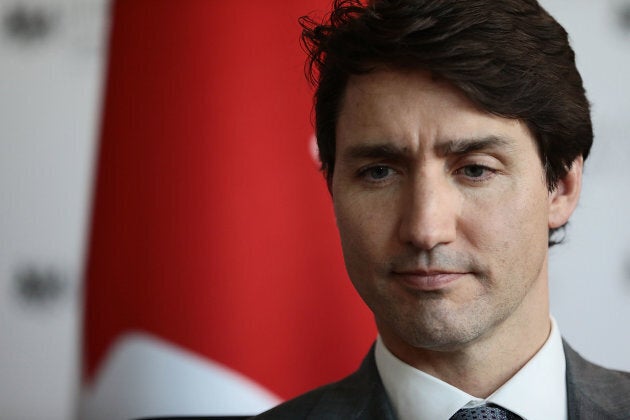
413	393
537	391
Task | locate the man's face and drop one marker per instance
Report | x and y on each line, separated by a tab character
442	209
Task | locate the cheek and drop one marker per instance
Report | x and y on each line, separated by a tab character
509	226
356	245
354	229
365	230
530	214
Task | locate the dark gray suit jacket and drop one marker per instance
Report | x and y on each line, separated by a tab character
593	393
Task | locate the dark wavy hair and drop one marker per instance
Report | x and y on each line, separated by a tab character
509	57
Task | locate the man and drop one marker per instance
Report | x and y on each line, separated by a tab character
452	135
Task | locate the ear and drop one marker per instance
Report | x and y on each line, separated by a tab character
563	200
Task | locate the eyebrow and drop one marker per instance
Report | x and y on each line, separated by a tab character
375	151
452	147
465	146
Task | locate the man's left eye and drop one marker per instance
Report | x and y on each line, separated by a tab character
474	171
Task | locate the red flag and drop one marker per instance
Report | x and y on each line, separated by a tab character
213	243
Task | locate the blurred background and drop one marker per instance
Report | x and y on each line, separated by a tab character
53	62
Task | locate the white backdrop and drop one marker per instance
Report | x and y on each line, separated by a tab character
50	74
590	273
51	56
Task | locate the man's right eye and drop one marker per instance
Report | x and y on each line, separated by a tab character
376	173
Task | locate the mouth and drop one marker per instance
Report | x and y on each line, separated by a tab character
427	280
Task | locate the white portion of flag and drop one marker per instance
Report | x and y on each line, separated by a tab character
145	376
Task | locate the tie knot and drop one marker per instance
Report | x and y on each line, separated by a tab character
485	413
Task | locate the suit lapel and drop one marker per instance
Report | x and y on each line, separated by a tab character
578	406
361	396
594	392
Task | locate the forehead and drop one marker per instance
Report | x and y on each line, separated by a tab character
394	82
405	106
401	86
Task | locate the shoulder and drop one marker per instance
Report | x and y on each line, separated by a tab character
595	389
358	396
303	405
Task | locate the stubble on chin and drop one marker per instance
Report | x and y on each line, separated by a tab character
441	320
433	323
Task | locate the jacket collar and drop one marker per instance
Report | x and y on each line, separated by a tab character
360	396
594	392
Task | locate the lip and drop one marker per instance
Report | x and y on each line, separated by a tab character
427	281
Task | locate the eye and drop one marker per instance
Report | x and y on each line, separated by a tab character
476	172
376	173
379	172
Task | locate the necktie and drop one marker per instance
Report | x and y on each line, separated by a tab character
485	413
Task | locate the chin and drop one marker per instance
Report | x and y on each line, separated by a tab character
432	331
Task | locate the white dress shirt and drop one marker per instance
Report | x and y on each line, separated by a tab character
536	392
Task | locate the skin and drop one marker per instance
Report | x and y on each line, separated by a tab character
443	212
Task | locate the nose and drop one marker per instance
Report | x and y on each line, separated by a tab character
430	209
